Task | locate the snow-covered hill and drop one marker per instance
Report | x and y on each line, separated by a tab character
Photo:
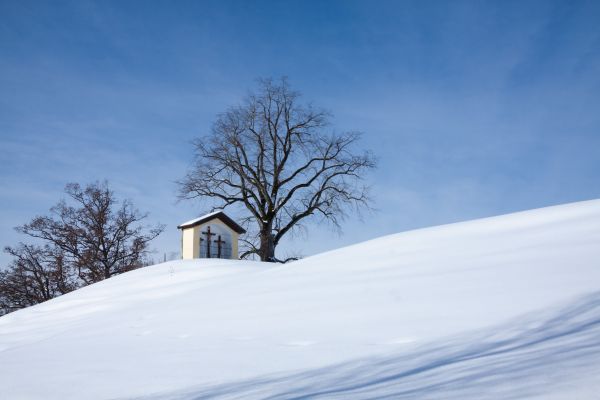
504	307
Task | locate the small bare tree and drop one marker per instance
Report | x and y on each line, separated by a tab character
98	235
279	160
36	274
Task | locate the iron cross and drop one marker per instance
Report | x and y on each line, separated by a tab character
219	242
208	235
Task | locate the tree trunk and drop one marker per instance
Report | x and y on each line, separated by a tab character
267	245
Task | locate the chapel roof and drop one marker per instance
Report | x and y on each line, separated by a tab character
220	215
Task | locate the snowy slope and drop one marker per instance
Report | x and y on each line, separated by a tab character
504	307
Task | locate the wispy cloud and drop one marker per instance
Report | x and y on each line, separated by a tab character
474	109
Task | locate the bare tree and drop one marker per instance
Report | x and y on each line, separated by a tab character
280	161
35	275
98	235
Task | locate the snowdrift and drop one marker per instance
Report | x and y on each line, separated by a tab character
497	308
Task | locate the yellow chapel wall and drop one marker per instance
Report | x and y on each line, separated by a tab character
189	236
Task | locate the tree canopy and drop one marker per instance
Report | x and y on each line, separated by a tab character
282	162
85	239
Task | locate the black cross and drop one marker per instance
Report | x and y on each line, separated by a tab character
219	242
208	235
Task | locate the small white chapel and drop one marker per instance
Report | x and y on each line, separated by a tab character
213	235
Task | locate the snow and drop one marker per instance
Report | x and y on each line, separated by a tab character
497	308
193	221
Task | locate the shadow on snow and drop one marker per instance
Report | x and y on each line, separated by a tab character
530	356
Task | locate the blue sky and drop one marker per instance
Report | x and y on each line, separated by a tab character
473	108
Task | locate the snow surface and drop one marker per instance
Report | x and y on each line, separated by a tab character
193	221
499	308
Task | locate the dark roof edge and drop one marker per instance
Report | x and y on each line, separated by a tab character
221	216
